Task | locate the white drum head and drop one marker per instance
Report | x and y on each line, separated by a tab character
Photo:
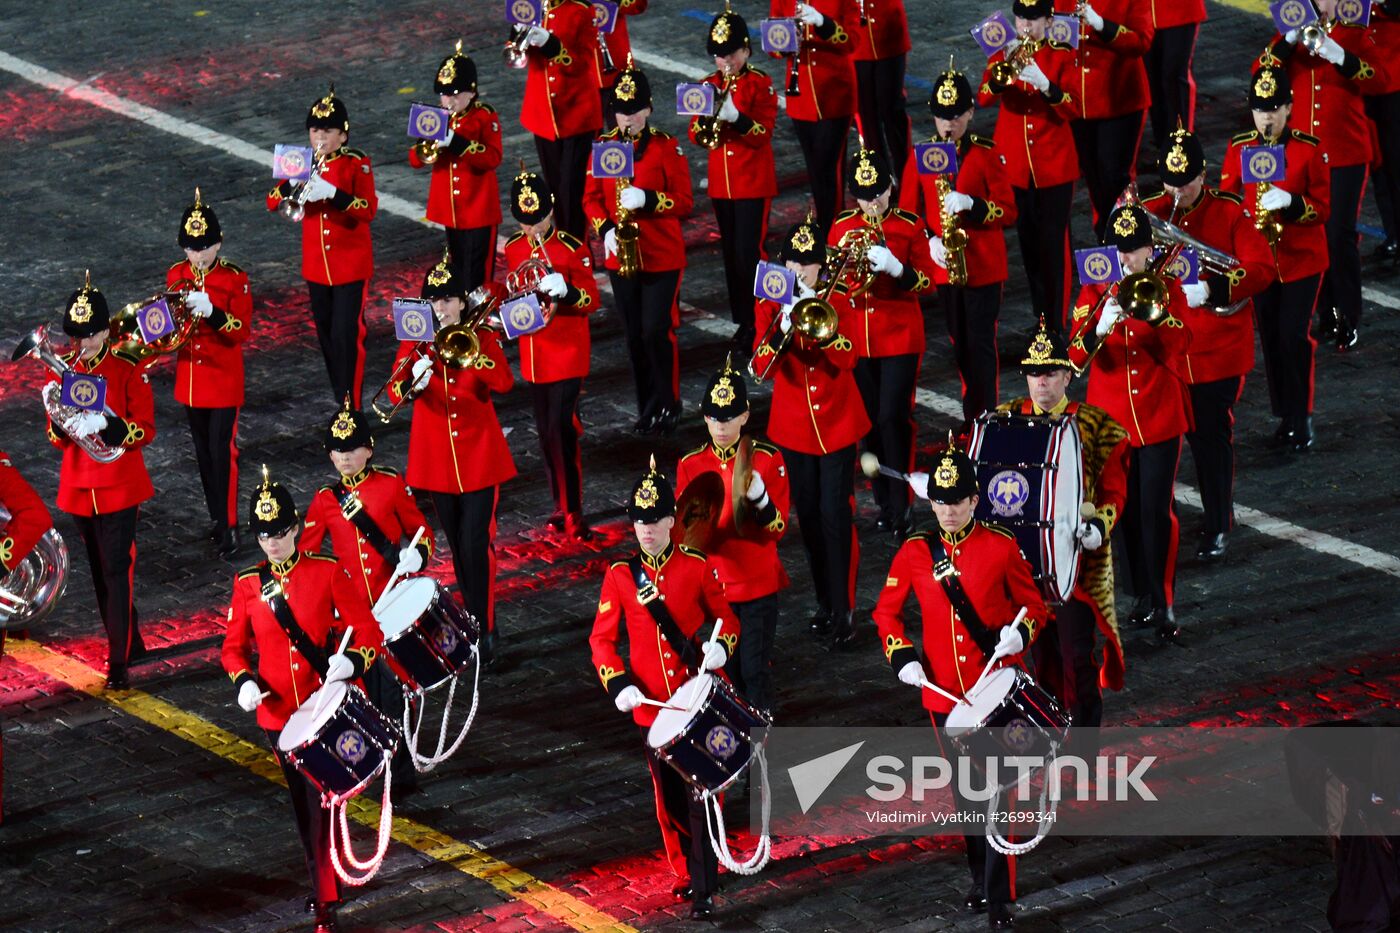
974	709
1064	500
307	721
669	723
404	604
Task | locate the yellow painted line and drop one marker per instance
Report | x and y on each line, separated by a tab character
1249	6
504	877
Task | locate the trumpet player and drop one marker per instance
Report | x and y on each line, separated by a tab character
104	498
742	176
555	360
614	47
1135	377
1294	212
337	258
209	367
464	194
1222	347
457	452
657	198
889	325
979	205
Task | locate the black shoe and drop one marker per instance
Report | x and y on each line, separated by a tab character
1302	434
1165	622
682	892
577	528
1000	917
1325	327
556	521
117	678
1285	433
1387	250
1213	547
1347	337
215	532
1142	609
487	647
884	523
975	901
820	622
646	424
843	632
702	908
229	543
668	419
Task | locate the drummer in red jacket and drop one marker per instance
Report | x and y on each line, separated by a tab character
664	587
285	609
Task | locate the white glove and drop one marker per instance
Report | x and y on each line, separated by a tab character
1196	294
728	113
536	36
1275	199
318	189
1291	37
554	285
1010	641
89	423
785	321
882	260
804	290
1032	75
1112	314
339	668
610	244
1092	17
629	699
938	251
810	16
715	656
446	140
1331	51
919	483
955	202
912	673
632	199
199	304
757	489
249	696
410	561
422	373
1090	536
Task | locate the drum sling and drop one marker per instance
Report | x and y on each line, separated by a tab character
647	596
947	576
272	596
354	512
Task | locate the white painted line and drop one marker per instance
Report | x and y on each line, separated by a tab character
1381	298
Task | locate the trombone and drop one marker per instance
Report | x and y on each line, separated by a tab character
813	317
456	346
1146	298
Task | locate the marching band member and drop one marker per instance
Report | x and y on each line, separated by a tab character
743	549
614	47
456	449
1299	205
1222	348
209	367
1383	107
104	498
561	104
664	600
742	177
1033	133
889	328
1171	85
1135	378
815	419
336	254
285	610
980	199
823	71
658	197
881	37
464	194
555	360
965	620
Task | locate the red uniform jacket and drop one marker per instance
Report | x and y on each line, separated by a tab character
382	495
316	588
1327	98
997	580
1385	32
1112	78
747	562
456	444
1221	346
981	176
463	191
881	29
1136	375
741	166
816	407
561	350
889	321
209	367
618	42
335	240
826	71
561	85
1302	250
687	582
1032	129
660	169
1167	13
29	517
86	487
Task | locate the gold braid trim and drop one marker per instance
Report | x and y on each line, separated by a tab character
893	643
606	674
134	433
7	551
731	642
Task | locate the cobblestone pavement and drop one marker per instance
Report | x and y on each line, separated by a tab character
153	811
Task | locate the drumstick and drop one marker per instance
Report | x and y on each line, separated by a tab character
650	702
344	643
871	466
1087	510
996	655
930	685
394	577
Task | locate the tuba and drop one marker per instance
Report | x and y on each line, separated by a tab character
125	331
64	417
954	236
1143	295
456	345
31	590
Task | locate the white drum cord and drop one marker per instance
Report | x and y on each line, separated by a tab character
714	821
1047	819
340	828
426	763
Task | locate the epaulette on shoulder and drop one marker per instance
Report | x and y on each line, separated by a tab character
354	153
249	571
1306	138
660	134
850	213
1226	196
611	134
764	446
329	487
906	216
176	265
568	239
616	564
698	450
232	267
981	142
692	551
517	235
1058	45
1153	196
324	557
483	105
387	471
124	354
1245	137
993	526
916	536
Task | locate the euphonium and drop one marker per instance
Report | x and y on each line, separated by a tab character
293	206
628	235
855	247
708	129
31	590
1144	296
1009	68
64	417
125	333
514	51
1166	234
954	236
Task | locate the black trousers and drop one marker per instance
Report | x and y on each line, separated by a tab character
823	501
1385	111
1148	531
386	693
743	223
215	435
1108	150
880	100
110	541
686	813
970	314
991	871
650	316
886	385
564	164
468	520
340	326
823	145
1282	312
473	252
1341	283
751	672
1064	662
1170	80
556	420
1213	448
313	827
1042	229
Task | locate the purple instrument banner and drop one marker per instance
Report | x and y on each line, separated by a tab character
524	12
780	36
84	390
936	158
413	319
993	33
604	16
1186	268
1263	163
292	163
522	316
1097	265
612	159
695	100
774	283
1064	30
1292	14
428	122
154	320
1356	12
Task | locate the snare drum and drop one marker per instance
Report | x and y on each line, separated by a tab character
427	636
711	741
340	745
1007	714
1030	473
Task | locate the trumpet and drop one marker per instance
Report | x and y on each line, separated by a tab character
954	236
1009	68
293	206
427	151
708	129
1313	35
1145	299
629	235
456	346
65	417
125	332
514	51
